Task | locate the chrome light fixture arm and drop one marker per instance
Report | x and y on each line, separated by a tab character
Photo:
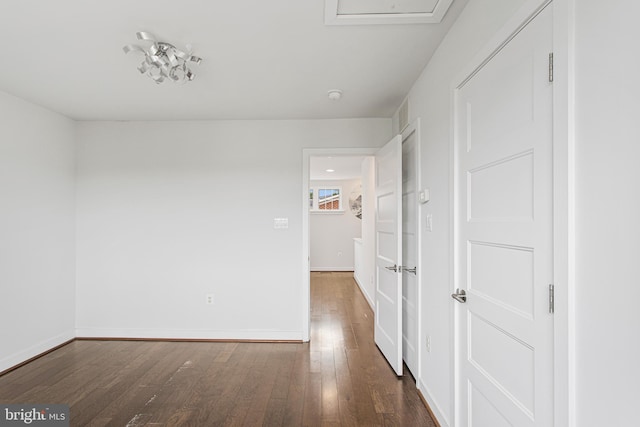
163	60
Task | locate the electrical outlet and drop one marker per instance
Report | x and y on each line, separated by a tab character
429	222
209	299
428	343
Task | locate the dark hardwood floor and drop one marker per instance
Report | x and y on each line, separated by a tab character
338	379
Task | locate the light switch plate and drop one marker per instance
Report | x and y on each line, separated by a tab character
280	223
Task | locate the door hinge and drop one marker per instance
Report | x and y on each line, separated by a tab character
551	67
552	302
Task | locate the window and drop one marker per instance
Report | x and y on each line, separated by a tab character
328	199
325	199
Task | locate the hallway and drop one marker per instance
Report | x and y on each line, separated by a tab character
356	382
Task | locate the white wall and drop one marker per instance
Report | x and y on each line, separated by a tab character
607	213
171	211
331	234
37	302
429	99
367	284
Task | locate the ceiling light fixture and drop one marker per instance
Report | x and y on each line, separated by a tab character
330	170
163	60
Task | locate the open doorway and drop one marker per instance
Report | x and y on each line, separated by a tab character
335	211
341	218
326	198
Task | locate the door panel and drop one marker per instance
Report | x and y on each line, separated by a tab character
502	190
388	315
504	235
493	269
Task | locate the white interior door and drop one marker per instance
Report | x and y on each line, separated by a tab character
410	252
504	258
388	315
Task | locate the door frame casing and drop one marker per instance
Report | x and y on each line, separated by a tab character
564	210
307	153
563	105
414	128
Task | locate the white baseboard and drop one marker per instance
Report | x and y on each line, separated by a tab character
23	355
364	292
441	417
196	334
331	268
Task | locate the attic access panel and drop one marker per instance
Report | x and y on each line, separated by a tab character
367	12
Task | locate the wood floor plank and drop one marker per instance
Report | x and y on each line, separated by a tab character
339	378
224	405
312	409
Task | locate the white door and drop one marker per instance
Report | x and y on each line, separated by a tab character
409	252
504	253
388	315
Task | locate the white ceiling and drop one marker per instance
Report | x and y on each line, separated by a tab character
261	59
344	167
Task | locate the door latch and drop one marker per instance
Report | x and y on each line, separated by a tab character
408	270
460	296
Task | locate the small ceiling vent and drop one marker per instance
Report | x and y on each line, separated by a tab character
368	12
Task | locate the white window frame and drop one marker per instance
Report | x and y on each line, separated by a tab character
314	207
